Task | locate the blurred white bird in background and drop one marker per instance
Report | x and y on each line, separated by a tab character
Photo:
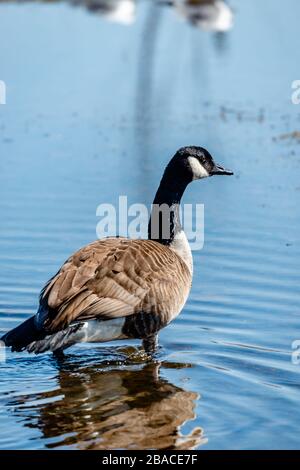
209	15
118	11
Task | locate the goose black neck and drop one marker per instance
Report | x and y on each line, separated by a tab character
164	223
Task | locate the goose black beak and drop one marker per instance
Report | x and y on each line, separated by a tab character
219	170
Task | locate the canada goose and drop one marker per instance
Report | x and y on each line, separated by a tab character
117	288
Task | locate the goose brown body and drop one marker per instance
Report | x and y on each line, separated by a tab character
116	277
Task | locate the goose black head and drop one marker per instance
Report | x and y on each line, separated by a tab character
193	163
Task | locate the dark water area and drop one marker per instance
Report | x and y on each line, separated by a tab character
96	105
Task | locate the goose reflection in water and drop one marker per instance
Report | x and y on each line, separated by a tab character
110	406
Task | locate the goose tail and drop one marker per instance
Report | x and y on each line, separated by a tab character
27	337
58	341
24	334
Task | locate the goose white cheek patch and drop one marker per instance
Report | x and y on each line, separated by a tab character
198	170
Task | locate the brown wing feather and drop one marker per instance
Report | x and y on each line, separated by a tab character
116	277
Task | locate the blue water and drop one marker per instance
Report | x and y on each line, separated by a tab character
94	110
